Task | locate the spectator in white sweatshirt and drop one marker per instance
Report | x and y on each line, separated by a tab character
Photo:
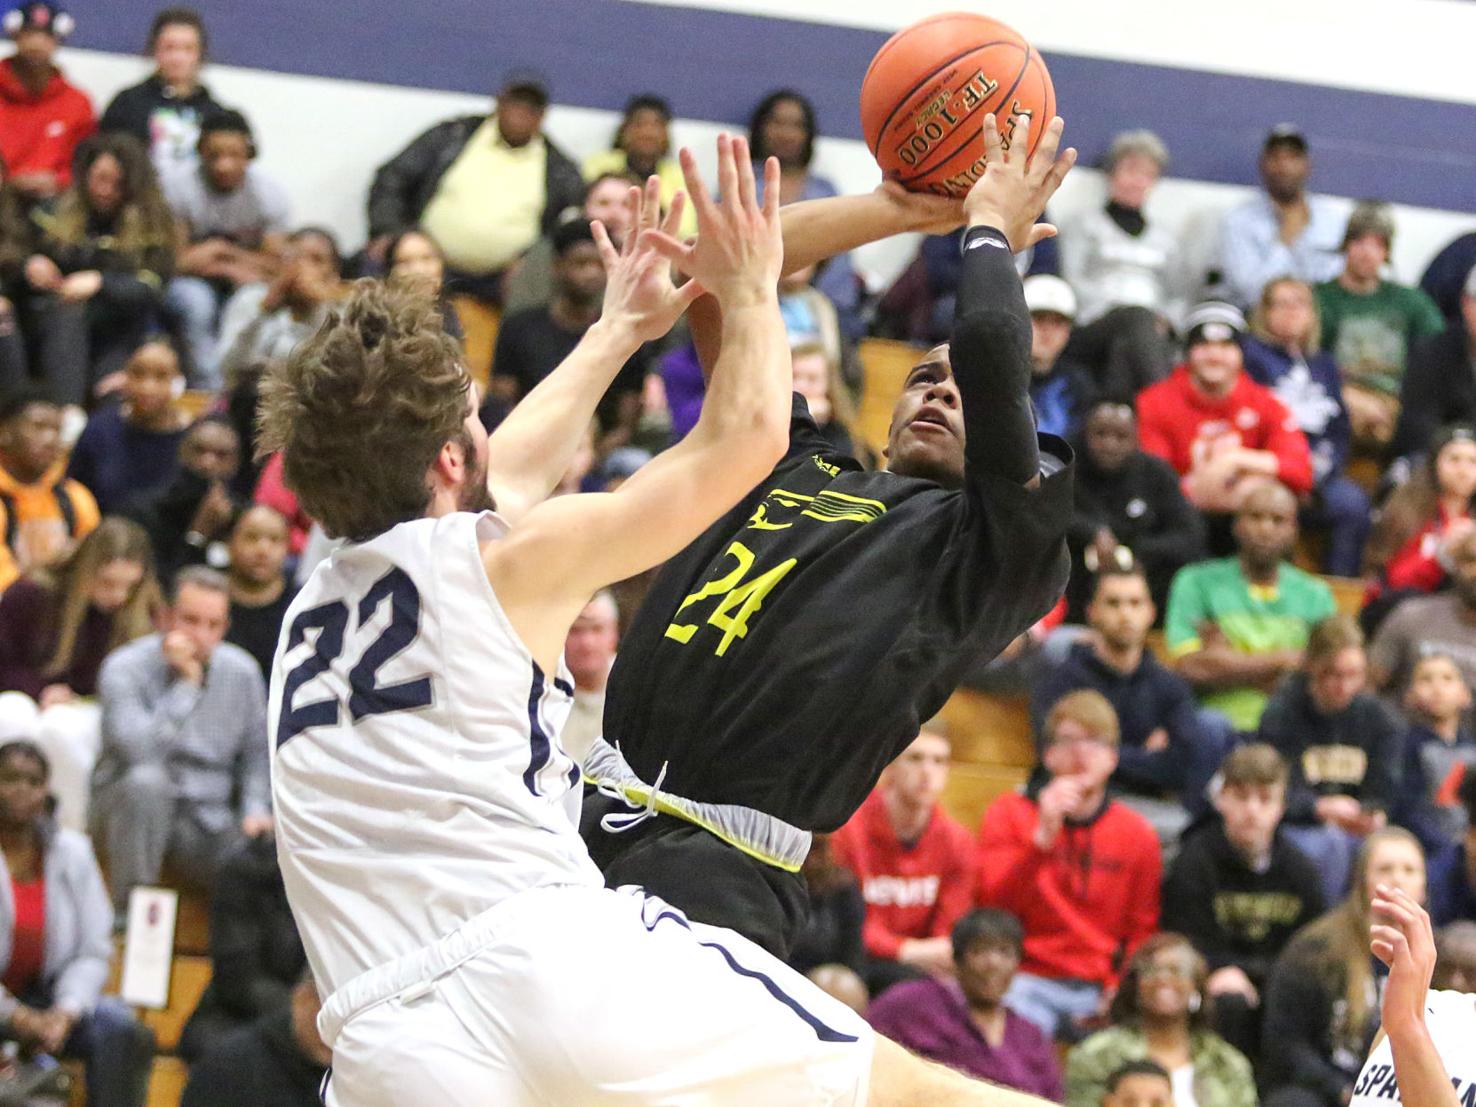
1127	273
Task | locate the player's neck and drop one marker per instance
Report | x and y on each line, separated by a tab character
908	820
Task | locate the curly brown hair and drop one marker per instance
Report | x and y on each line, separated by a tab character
361	410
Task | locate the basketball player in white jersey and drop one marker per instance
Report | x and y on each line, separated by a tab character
1425	1054
468	951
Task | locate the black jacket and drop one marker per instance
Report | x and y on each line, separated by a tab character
255	950
1148	698
254	1067
1232	914
1358	752
1142	506
404	185
166	514
1439	388
133	109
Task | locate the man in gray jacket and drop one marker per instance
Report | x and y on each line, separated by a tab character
183	771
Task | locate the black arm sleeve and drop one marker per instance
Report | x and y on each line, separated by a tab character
990	356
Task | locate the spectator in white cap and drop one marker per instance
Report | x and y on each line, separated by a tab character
1217	427
1283	232
1128	273
1060	390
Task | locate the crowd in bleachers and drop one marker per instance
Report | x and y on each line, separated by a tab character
1226	764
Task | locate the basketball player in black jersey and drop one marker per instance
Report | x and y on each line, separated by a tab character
788	654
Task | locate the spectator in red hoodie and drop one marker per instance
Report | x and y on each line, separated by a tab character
1079	870
42	115
1219	428
914	864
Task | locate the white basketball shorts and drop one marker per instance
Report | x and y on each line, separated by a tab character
573	996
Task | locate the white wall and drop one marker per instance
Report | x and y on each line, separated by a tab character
323	138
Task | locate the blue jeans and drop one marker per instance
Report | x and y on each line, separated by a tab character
1341	508
116	1050
1332	849
1049	1003
195	303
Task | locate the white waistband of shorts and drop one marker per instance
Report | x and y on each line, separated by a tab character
412	972
760	835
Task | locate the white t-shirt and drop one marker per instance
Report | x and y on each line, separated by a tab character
1182	1079
1451	1017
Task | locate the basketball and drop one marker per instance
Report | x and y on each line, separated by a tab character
926	93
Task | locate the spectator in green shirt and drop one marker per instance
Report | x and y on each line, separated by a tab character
1368	323
1237	625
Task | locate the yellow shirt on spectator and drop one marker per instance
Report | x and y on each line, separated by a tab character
667	171
488	207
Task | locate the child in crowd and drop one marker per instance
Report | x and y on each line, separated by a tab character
1438	752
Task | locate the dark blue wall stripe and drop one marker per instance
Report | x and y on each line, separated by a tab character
715	65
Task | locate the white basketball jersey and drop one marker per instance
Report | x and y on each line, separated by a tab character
1451	1018
416	770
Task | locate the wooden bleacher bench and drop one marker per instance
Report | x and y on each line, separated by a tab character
479	324
884	368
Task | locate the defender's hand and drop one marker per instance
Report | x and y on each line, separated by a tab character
1014	191
639	294
739	252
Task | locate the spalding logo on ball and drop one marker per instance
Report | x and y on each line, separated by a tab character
926	93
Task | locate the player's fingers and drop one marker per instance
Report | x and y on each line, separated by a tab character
1045	151
1040	232
696	187
609	256
1019	139
727	173
688	293
747	188
652	202
771	189
1057	173
993	141
673	221
672	249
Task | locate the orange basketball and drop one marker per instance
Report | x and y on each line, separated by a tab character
926	92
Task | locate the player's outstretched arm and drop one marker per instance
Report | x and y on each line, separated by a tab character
818	229
1401	938
990	348
568	547
529	453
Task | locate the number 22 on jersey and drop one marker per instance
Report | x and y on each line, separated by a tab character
367	696
739	600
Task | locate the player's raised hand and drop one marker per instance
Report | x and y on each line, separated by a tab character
1014	190
639	294
1401	938
739	250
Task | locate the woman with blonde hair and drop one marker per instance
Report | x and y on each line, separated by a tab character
1282	352
1322	998
55	629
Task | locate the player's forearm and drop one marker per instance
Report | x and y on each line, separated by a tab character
1417	1065
531	450
990	356
748	394
818	229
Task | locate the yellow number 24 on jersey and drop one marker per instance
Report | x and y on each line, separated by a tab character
740	600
